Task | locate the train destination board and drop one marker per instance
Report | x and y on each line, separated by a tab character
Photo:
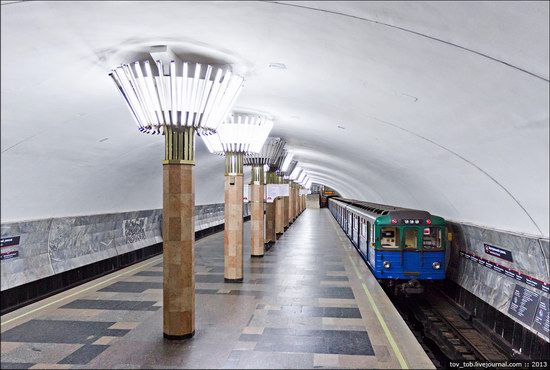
523	305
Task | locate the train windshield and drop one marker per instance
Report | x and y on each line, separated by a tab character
431	238
389	237
410	241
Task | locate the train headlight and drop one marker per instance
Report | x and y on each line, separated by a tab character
436	265
386	264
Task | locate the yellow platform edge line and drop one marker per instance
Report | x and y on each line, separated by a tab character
393	344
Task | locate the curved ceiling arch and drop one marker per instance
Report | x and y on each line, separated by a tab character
435	105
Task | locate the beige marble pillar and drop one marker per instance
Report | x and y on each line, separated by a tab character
286	203
296	201
270	214
178	233
257	212
279	215
233	216
291	203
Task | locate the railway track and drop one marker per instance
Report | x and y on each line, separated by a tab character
448	335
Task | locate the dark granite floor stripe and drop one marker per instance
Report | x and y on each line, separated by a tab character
340	342
149	273
101	304
61	331
84	354
131	286
333	312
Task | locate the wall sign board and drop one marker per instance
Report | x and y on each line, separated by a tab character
523	305
542	318
9	241
271	192
508	272
8	245
498	252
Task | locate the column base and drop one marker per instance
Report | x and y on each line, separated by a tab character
179	337
256	255
226	280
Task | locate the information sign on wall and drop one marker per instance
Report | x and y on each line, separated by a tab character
523	305
284	190
498	252
542	318
272	192
8	246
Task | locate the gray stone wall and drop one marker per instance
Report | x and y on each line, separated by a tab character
48	247
529	257
312	201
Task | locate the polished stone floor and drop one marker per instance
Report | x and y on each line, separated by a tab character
309	303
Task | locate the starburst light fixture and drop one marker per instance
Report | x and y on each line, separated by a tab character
267	156
239	133
159	96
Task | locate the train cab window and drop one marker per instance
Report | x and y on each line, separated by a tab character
411	239
431	238
389	237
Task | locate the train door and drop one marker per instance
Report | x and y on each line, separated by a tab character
364	237
360	223
371	246
411	252
350	224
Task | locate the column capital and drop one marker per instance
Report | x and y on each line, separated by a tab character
179	145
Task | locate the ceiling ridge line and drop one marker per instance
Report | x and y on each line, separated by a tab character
415	33
470	163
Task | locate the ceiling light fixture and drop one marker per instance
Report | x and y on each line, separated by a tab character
287	161
194	95
239	133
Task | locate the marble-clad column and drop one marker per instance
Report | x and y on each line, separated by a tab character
257	212
233	229
178	233
270	214
291	203
279	215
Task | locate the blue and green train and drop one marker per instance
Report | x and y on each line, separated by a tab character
401	246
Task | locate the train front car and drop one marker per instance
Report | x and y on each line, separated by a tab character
410	246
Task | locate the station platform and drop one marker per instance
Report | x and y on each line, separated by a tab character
310	302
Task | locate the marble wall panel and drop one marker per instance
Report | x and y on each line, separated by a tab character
529	255
52	246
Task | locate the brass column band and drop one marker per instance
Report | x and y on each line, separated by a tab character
234	163
271	177
179	145
258	175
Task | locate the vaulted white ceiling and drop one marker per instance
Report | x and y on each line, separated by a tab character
441	105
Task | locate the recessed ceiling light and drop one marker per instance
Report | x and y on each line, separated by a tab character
277	65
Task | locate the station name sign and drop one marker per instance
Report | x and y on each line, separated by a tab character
498	252
8	247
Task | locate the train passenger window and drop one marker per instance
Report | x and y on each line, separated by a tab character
389	237
411	239
363	228
431	238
